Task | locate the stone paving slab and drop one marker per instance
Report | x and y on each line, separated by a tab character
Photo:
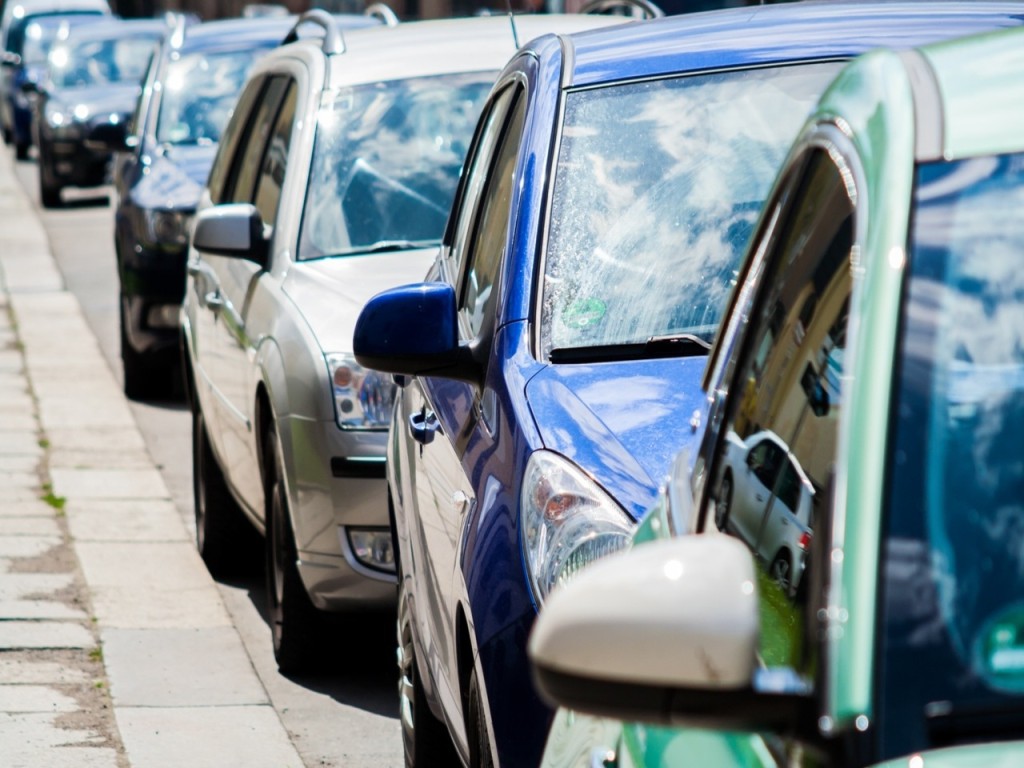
19	463
43	634
150	520
84	411
39	609
219	736
34	507
23	442
18	422
14	586
109	484
34	698
180	667
19	480
26	546
150	586
22	672
26	736
29	526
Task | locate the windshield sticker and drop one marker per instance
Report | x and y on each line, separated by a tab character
584	313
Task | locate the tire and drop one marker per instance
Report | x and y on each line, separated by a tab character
21	149
297	626
476	727
138	378
781	570
724	506
223	536
49	187
425	738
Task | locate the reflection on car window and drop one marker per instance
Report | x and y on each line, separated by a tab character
275	160
780	397
199	93
953	636
386	162
663	178
101	62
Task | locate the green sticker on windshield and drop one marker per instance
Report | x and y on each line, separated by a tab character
584	313
1001	646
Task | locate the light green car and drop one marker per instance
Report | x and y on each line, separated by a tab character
877	331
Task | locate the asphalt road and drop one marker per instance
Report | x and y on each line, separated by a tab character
348	714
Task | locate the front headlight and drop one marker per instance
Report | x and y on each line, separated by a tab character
362	397
567	522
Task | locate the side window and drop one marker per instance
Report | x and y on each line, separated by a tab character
247	163
275	160
786	386
486	245
475	175
229	141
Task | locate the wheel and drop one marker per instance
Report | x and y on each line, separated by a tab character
223	536
724	505
476	727
49	188
781	570
296	625
138	379
21	149
424	737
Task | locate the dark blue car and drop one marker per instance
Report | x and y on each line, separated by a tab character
550	363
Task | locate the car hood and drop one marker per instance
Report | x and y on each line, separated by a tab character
98	101
330	293
621	422
1005	754
174	176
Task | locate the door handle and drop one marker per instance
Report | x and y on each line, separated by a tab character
213	300
423	425
460	501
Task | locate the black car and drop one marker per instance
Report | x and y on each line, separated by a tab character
93	77
164	156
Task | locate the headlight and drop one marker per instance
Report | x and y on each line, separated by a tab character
168	227
567	522
362	398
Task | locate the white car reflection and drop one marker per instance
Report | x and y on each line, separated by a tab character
766	499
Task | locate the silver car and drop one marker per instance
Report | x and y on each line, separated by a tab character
332	182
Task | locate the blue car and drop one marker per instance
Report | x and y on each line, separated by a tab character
550	363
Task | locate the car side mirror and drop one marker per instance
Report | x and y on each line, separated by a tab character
9	59
666	632
234	230
414	330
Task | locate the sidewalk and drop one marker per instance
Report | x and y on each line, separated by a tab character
115	648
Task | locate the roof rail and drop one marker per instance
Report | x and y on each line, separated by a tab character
332	42
382	12
641	9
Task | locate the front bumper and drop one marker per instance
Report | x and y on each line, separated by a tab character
337	487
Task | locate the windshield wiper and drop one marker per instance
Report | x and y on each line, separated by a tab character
656	347
386	246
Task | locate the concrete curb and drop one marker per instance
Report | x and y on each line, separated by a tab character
184	691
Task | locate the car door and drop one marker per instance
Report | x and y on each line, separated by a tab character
446	464
256	177
753	482
795	306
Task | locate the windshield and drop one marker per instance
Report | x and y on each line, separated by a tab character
33	36
953	654
387	161
657	189
199	93
101	62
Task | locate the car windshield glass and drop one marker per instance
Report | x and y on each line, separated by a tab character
101	62
35	35
657	188
953	555
386	163
199	93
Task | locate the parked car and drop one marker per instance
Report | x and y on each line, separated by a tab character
165	154
93	77
551	363
346	151
28	34
893	232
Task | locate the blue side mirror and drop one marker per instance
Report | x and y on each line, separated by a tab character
413	330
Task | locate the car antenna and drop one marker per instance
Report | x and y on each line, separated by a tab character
512	21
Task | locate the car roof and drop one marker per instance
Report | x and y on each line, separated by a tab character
776	33
239	32
446	45
981	80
